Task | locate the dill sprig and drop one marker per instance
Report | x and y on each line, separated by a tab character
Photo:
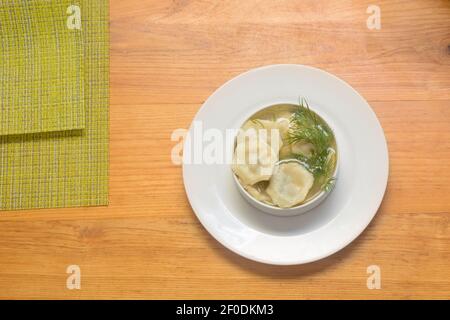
305	127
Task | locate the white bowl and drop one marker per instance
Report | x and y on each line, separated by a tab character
299	209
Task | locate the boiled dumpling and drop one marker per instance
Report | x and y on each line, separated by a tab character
285	152
254	159
258	194
283	124
273	130
289	184
303	148
278	128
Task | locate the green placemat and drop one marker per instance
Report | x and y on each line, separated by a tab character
69	168
41	68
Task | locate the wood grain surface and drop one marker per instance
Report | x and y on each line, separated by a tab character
167	57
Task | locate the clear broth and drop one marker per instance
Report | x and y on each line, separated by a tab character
274	113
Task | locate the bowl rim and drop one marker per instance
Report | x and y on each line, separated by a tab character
302	207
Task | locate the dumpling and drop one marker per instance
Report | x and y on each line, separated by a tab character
254	159
285	152
271	129
303	148
289	184
260	195
283	124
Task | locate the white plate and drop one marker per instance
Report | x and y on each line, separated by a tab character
360	187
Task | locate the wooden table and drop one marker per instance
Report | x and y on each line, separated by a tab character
167	57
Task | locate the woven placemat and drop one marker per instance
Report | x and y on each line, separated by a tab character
68	168
41	68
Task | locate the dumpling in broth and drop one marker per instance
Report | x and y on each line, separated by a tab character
254	159
259	194
283	125
256	151
289	184
272	130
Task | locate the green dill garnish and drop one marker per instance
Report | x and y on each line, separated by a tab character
306	127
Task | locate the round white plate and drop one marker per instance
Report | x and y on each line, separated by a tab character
360	186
